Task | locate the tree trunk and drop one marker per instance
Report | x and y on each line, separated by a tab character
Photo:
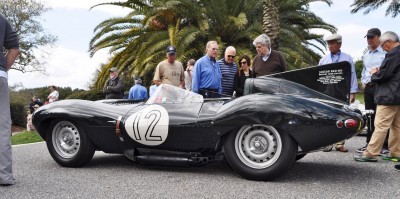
271	21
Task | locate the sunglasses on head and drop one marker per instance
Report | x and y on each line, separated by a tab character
231	56
243	62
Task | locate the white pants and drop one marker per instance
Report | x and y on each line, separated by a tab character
5	134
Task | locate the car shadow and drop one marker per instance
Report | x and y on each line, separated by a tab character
308	171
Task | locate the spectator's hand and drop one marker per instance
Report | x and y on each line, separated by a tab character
352	97
363	86
373	70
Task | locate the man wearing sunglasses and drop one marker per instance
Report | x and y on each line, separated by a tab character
372	58
228	69
387	98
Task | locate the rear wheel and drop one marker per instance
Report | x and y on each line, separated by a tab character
69	145
260	152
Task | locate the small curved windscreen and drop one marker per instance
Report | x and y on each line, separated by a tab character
167	94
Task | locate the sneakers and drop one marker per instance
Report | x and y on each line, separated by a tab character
362	149
397	167
385	152
389	158
363	158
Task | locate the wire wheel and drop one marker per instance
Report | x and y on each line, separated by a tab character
66	139
258	146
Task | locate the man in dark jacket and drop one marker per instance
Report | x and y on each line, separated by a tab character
114	88
9	42
387	98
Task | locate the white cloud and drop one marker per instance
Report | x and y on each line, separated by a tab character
87	4
65	68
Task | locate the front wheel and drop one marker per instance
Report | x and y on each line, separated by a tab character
69	145
260	152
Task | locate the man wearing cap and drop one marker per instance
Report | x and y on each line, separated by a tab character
170	71
228	69
138	92
8	41
207	74
372	59
335	55
387	98
114	87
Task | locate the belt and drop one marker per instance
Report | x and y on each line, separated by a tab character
209	89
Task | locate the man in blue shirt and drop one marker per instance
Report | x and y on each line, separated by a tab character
138	92
335	55
228	69
207	74
372	59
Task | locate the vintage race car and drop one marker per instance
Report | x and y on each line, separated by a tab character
260	135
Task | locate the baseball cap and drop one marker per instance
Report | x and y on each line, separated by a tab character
171	50
372	32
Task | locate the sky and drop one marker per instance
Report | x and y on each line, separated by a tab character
72	21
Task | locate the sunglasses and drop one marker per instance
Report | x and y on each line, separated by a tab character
231	56
243	62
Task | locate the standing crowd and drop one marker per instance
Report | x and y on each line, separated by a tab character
212	78
380	80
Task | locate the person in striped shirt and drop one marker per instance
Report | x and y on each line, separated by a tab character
228	69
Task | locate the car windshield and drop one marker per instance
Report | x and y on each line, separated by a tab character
166	93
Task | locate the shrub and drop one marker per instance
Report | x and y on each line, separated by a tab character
18	113
92	95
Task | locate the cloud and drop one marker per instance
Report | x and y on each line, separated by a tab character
65	68
87	4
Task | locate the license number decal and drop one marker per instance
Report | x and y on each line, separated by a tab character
148	126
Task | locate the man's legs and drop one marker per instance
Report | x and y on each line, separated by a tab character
383	121
370	105
394	137
6	177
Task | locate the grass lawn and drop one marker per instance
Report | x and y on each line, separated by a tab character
25	138
360	97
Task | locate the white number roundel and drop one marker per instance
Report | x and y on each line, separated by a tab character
148	126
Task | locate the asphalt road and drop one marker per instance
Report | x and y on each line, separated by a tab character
318	175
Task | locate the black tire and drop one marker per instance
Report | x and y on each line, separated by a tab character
267	155
68	144
298	157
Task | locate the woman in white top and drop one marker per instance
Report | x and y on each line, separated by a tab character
53	95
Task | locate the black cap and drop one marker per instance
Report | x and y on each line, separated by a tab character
373	31
171	50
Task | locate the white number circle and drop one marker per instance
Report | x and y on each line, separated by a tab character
148	126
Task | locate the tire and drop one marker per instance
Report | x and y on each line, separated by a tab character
267	154
299	157
68	144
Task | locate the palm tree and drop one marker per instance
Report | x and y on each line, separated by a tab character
138	40
369	5
297	43
271	22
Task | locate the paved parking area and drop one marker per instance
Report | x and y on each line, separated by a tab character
318	175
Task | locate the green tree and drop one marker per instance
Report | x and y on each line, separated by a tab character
369	5
24	16
139	39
